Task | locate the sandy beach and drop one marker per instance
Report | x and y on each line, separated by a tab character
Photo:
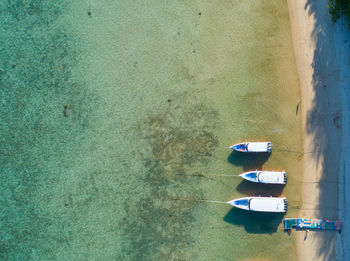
320	49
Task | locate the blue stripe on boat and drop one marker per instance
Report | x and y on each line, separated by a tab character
252	175
243	202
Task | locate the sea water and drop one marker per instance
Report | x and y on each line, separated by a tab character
116	117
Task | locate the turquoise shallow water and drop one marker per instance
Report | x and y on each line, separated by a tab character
116	118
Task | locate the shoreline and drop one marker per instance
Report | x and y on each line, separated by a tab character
317	44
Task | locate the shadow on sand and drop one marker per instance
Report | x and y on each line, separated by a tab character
248	161
254	222
324	120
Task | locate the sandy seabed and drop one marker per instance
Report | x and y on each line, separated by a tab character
322	56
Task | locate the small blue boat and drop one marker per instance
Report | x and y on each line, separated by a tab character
314	224
252	147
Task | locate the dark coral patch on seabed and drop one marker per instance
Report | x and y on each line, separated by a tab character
180	141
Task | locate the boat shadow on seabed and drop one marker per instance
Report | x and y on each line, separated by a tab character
255	222
255	189
249	161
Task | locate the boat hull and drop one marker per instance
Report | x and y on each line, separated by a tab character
252	147
261	204
266	177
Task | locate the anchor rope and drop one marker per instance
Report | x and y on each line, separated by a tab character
201	200
290	181
292	204
207	176
293	151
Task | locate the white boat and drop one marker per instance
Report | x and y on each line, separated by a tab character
266	177
252	147
260	204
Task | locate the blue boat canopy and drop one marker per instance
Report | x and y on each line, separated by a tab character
252	175
242	202
241	146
